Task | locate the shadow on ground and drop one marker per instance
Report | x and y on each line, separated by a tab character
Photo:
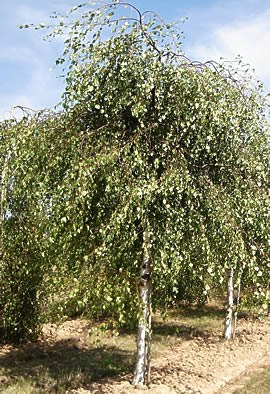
198	312
62	366
188	322
73	362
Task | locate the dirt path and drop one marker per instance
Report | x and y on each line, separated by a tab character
205	366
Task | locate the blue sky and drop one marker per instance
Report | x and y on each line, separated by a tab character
215	29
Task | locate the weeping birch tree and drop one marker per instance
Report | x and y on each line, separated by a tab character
147	169
162	132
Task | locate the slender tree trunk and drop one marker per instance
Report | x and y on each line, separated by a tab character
142	367
236	308
2	203
229	312
149	334
3	191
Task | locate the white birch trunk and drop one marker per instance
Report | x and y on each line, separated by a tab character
236	308
229	312
142	367
3	203
3	191
149	333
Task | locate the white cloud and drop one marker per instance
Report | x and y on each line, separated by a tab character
25	60
31	14
39	89
249	39
18	54
10	110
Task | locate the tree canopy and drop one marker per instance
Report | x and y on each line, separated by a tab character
145	138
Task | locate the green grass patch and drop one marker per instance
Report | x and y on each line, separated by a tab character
259	383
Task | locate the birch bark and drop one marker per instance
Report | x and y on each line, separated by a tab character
2	203
3	191
229	312
236	308
142	367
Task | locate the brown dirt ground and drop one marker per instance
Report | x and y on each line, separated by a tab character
203	365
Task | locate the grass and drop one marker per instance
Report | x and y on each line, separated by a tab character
21	386
70	363
59	368
186	323
259	383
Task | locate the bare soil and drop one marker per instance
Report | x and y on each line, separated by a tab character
203	364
